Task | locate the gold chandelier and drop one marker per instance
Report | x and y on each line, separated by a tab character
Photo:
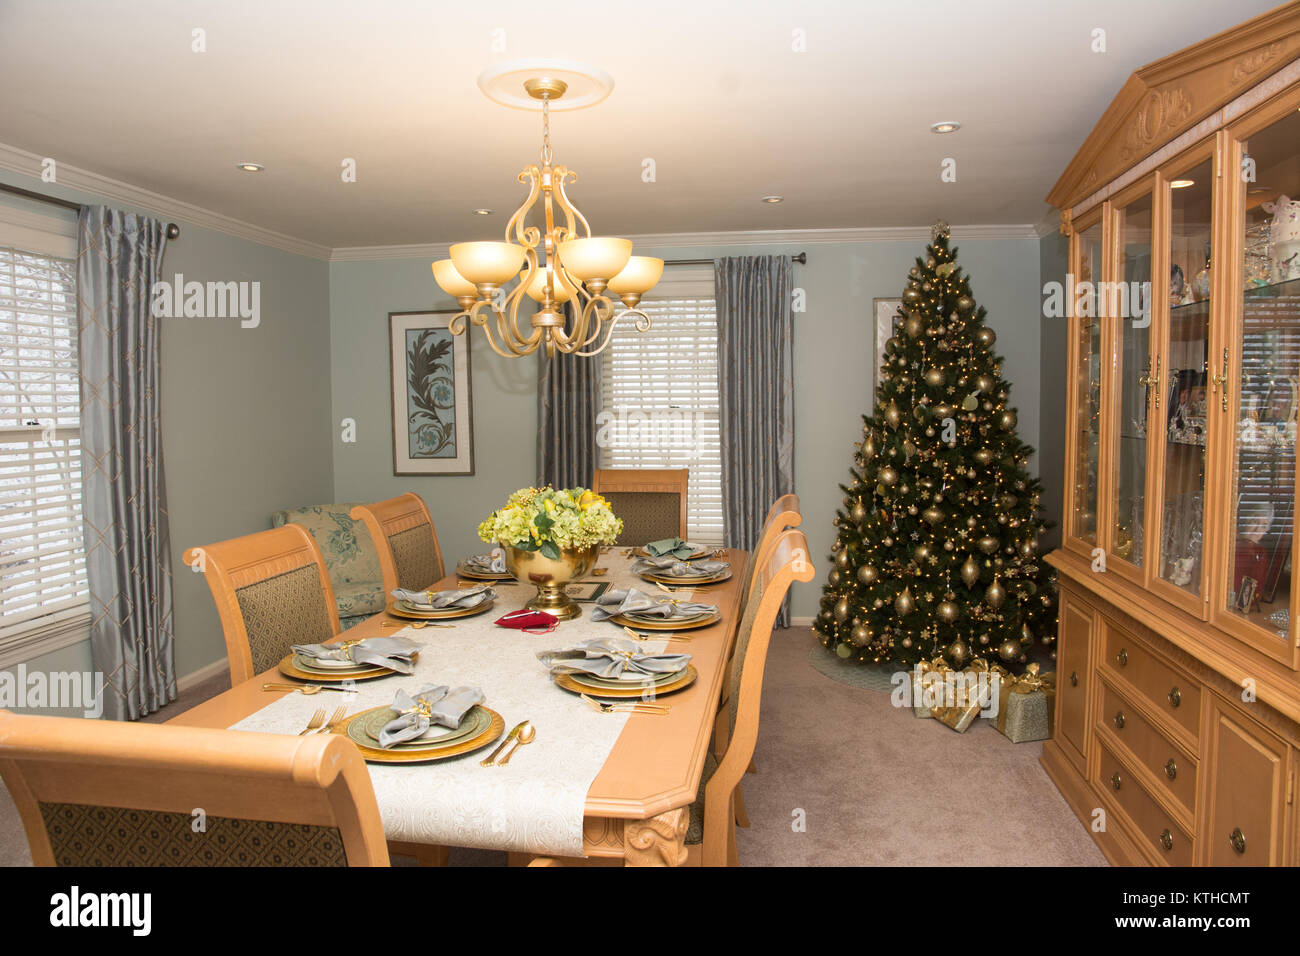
558	266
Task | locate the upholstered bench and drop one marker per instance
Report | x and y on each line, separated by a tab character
350	557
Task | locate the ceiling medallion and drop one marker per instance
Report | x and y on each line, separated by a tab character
558	263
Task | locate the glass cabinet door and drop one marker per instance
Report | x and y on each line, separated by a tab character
1267	314
1087	384
1181	399
1130	302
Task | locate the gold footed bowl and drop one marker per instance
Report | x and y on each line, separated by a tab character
550	576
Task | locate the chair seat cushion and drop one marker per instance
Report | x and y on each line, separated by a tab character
695	830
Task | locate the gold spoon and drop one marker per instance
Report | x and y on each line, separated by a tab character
526	736
415	624
514	732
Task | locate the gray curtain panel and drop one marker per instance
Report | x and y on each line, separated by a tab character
128	554
755	385
568	401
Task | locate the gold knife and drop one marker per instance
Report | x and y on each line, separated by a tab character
514	732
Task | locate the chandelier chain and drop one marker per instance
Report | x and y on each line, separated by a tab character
546	131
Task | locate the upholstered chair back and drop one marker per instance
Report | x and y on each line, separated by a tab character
104	793
651	502
272	591
403	533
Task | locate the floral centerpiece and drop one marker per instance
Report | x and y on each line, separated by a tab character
552	537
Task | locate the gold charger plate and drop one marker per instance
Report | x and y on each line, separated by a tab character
396	610
687	678
494	730
686	580
289	669
465	571
666	625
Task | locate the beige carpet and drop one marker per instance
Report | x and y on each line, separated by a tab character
876	786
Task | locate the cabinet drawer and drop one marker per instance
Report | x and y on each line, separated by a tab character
1148	746
1074	637
1161	838
1167	690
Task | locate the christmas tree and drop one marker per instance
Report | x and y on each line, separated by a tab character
937	545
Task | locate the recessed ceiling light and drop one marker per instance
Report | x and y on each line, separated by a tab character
948	126
250	167
482	211
773	199
1182	183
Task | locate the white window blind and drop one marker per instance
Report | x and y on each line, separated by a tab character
659	403
42	562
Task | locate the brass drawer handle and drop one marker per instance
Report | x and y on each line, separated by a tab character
1166	839
1175	697
1171	768
1119	719
1237	839
1074	678
1122	657
1115	780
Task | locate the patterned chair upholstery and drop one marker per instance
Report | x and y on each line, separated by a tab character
350	556
402	531
272	591
104	793
651	502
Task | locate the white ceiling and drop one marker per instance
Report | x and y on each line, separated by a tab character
712	92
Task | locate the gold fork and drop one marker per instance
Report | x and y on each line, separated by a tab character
658	636
415	624
340	715
317	719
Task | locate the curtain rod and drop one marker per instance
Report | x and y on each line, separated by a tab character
173	230
801	258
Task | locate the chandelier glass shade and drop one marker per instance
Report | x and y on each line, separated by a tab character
558	263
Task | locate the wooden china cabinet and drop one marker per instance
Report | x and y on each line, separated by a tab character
1177	735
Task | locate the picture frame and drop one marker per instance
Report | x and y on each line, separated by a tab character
432	396
886	312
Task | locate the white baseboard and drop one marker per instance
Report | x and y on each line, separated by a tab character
801	621
203	673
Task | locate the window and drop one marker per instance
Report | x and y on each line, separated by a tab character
42	561
659	399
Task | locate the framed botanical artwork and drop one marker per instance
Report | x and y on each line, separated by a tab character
885	310
433	421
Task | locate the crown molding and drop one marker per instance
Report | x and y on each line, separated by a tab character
24	163
752	237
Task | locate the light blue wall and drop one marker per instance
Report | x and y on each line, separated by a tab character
245	412
833	375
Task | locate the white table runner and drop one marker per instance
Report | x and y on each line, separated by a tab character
535	803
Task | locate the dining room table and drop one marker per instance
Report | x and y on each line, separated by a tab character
605	787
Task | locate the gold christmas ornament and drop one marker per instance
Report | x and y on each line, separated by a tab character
932	515
904	604
842	559
988	544
859	513
970	403
893	417
934	377
984	384
861	636
994	595
965	303
844	650
867	574
958	653
983	456
913	326
970	571
985	336
842	610
1007	420
888	476
1009	650
947	611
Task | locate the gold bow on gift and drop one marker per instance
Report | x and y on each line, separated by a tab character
960	716
1030	682
935	666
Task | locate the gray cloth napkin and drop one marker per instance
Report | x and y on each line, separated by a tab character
611	658
443	600
674	546
493	563
621	601
397	653
446	708
680	569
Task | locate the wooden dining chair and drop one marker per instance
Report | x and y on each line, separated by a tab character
403	532
783	514
109	793
272	591
711	834
651	501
